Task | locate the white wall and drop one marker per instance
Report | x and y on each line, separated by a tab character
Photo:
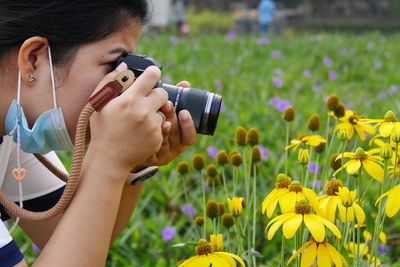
160	12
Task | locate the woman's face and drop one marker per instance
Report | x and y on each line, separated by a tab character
91	63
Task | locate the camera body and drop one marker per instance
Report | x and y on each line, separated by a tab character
203	106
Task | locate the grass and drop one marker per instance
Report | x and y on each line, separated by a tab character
241	70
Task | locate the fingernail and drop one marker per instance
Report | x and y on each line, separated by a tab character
121	67
184	115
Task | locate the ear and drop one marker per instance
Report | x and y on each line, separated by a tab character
32	56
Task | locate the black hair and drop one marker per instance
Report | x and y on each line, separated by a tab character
67	24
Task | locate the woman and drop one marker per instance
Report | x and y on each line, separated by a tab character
79	40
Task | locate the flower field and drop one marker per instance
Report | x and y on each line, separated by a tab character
303	168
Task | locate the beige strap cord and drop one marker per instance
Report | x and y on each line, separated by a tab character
96	103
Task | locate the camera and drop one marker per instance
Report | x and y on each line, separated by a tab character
203	106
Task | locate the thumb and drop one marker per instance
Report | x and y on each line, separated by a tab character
110	77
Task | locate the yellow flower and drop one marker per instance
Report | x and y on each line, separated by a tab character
309	140
303	157
392	203
271	200
292	221
288	198
325	254
206	257
362	248
328	204
236	206
387	126
368	237
348	206
216	242
363	158
352	122
380	143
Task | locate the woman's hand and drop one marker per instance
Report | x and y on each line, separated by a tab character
129	128
178	133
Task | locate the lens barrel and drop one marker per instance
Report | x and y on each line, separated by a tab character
203	106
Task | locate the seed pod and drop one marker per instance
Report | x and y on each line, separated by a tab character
252	137
340	111
334	162
314	123
240	136
227	220
332	102
289	114
198	162
221	208
212	209
320	148
222	158
255	154
212	171
199	220
236	160
182	167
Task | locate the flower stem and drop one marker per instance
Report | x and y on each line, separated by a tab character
283	263
316	172
303	174
287	150
184	189
254	210
224	182
204	208
240	246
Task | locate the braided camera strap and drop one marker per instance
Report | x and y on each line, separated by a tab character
96	103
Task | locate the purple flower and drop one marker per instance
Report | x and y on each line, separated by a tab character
378	64
307	74
189	210
370	46
275	100
222	108
278	71
349	106
283	105
315	184
277	82
218	85
326	98
173	40
276	54
36	248
263	41
382	95
317	89
382	249
313	167
333	75
168	233
264	152
212	151
232	33
327	61
392	89
167	79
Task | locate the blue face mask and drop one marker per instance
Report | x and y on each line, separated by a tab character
49	132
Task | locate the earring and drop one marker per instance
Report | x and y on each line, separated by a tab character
31	78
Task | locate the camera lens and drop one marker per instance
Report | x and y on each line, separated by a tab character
203	106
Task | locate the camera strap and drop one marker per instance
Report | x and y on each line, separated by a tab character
95	104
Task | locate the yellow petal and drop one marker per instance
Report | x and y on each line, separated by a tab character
360	215
291	225
360	132
278	224
198	261
332	206
330	226
323	257
342	213
392	205
309	256
299	251
315	227
288	201
386	129
353	166
373	169
280	217
335	255
271	207
233	256
217	260
350	214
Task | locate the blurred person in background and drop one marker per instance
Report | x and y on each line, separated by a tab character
266	9
179	11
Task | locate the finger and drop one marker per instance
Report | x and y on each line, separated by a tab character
110	77
187	128
157	98
168	110
184	84
145	83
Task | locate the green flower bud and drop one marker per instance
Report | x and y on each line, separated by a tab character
283	181
343	135
386	151
396	137
389	116
303	156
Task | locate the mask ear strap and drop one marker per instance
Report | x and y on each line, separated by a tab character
52	78
19	88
